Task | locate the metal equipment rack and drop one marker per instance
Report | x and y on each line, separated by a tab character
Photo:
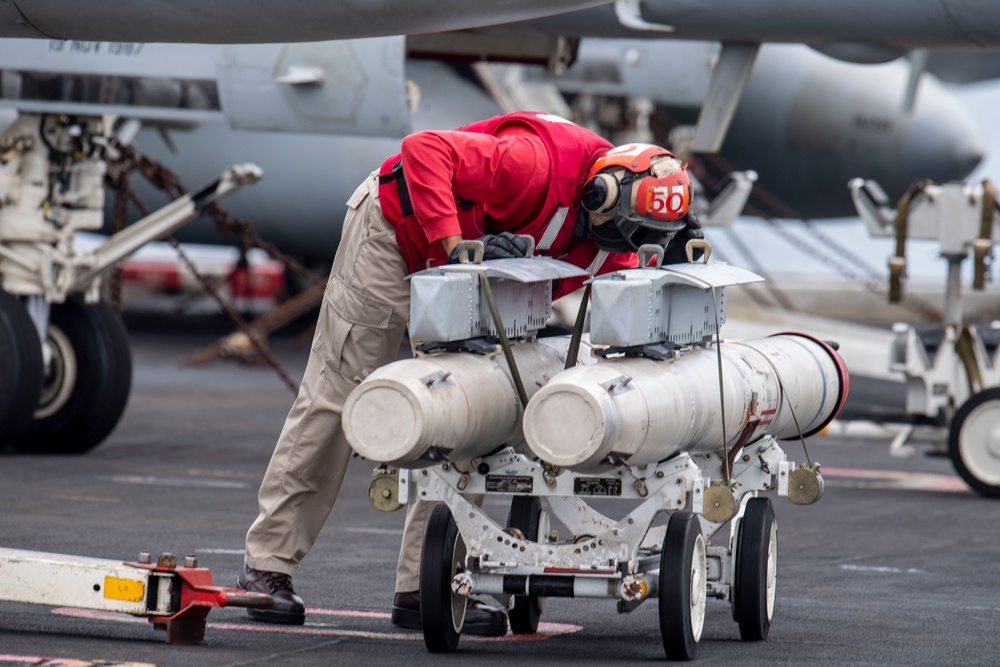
629	560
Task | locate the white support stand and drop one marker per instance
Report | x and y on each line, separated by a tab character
960	383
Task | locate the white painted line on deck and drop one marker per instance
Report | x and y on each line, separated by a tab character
980	608
229	474
349	612
176	481
883	569
84	499
374	531
367	531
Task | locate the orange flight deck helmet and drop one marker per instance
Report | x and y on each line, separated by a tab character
636	194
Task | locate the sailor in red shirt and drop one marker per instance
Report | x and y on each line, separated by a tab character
584	202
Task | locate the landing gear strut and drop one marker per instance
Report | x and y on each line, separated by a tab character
65	354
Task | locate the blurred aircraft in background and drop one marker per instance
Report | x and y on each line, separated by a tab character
318	116
806	123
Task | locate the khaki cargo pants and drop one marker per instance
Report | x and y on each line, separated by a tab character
361	325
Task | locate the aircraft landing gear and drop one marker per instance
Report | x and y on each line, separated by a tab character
71	360
974	442
86	381
961	217
21	355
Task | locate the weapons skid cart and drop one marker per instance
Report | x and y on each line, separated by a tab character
954	393
68	355
452	417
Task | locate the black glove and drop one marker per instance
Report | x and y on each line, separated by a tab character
504	245
675	252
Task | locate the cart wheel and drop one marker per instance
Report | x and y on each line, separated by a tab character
442	613
21	359
683	586
755	570
527	516
86	383
974	442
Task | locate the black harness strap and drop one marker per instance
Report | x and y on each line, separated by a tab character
405	206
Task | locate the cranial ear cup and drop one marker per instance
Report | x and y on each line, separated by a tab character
600	193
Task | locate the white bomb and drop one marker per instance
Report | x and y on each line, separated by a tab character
447	406
637	410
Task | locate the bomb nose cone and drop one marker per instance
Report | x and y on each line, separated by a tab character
382	423
578	435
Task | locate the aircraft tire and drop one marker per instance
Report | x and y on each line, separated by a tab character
87	383
974	442
442	612
683	586
755	567
527	516
21	356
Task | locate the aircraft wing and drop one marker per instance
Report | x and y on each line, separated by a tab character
963	66
853	30
259	21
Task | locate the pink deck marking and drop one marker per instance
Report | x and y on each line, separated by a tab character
545	630
895	479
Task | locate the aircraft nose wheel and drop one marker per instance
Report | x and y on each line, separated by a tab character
755	565
683	586
974	442
442	612
21	359
527	515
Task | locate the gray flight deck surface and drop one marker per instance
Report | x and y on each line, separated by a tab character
897	564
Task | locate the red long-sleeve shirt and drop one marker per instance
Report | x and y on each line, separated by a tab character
508	174
520	173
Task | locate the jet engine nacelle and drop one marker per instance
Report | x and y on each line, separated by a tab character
639	410
804	121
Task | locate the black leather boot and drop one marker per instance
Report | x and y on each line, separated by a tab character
480	619
288	607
